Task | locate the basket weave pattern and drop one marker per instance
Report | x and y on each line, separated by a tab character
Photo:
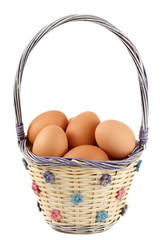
96	197
81	176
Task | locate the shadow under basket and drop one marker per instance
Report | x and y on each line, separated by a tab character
79	195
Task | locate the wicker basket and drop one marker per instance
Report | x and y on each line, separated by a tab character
78	195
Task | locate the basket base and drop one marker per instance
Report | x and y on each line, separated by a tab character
81	229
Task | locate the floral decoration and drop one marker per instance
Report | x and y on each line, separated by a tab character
76	198
35	188
105	179
121	193
55	215
24	163
49	177
138	166
102	216
125	208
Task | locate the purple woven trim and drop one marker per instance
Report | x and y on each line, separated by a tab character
143	136
58	161
20	131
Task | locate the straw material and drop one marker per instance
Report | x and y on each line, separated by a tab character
81	176
96	197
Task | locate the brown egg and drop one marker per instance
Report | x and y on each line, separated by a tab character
69	120
43	120
115	138
89	152
81	130
51	141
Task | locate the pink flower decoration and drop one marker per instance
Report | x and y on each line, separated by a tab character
121	193
55	214
35	188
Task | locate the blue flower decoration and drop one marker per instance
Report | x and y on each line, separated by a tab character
138	166
76	198
49	177
125	208
24	163
105	179
102	216
38	205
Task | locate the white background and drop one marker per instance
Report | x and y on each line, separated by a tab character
78	67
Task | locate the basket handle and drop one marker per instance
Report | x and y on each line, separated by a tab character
142	77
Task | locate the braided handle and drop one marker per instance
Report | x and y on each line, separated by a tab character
143	83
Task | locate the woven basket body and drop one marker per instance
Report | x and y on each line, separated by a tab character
96	197
100	204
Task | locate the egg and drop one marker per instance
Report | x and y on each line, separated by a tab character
43	120
89	152
81	129
115	138
51	141
69	120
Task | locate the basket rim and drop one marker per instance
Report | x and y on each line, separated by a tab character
51	162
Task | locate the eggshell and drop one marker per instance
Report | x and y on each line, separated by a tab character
43	120
115	138
51	141
81	130
89	152
69	120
